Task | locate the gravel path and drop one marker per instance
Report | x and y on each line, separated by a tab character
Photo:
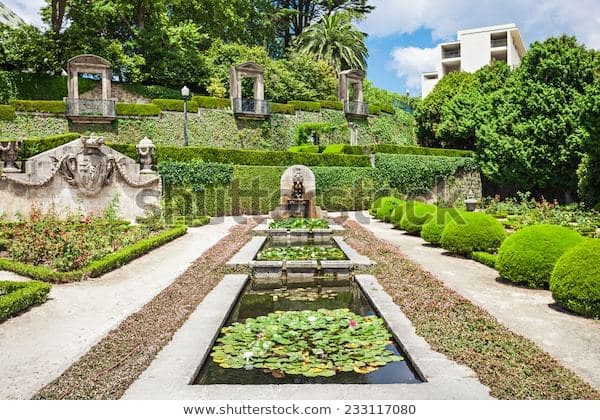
40	344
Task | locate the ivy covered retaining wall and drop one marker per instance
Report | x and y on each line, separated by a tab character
218	128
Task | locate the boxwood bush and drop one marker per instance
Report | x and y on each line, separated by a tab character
36	145
374	110
397	214
528	255
415	215
335	149
476	232
7	113
305	148
384	212
337	105
415	150
152	91
141	110
575	280
211	102
277	108
308	106
485	258
16	296
432	230
375	206
48	107
175	105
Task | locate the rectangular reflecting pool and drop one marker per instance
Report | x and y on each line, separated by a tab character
255	303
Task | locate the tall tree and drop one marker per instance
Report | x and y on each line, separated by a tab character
337	41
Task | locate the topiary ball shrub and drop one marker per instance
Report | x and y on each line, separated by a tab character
528	255
376	204
397	214
575	280
416	214
432	230
475	232
388	204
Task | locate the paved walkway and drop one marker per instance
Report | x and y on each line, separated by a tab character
38	345
570	339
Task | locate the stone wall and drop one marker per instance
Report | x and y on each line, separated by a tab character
455	189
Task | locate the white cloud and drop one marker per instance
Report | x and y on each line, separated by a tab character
29	10
409	62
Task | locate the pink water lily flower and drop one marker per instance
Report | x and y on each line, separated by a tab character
352	323
260	335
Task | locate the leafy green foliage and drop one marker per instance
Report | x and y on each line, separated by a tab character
475	232
51	107
175	105
306	343
299	223
194	173
337	105
414	215
485	258
8	88
335	149
386	207
374	110
305	132
282	108
306	106
575	283
16	296
345	188
7	113
301	253
152	91
528	256
35	145
431	231
412	174
415	150
210	102
137	109
305	148
589	169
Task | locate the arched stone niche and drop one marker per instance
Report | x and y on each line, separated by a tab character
351	93
298	194
255	107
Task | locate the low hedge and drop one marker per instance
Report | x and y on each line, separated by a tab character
374	110
336	105
485	258
48	107
384	211
476	232
212	102
7	113
175	105
375	206
335	149
246	156
277	108
140	110
36	145
415	215
415	150
387	108
307	106
432	230
528	256
96	268
16	296
152	91
353	150
305	148
575	280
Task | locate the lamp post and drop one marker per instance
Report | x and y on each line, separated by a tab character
185	92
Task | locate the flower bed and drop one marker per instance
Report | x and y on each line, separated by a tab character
306	343
301	253
47	248
299	223
16	296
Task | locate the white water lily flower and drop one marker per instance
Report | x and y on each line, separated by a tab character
248	355
311	318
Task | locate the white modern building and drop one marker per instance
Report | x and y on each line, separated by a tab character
473	49
8	17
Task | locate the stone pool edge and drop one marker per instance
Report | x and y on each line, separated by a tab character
173	370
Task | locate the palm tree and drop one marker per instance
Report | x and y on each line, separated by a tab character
335	40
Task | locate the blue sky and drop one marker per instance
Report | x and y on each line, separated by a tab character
403	33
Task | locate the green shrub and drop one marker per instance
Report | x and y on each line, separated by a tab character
34	145
411	174
384	212
141	110
305	148
353	150
41	87
375	206
374	110
16	296
575	280
485	258
211	102
152	91
277	108
7	113
528	255
387	108
49	107
335	149
415	215
336	105
175	105
304	131
415	150
307	106
476	232
432	230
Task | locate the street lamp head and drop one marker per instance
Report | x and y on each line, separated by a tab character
185	92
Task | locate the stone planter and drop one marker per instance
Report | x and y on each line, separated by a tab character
300	272
321	235
339	270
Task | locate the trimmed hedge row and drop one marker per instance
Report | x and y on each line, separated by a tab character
415	150
49	107
308	106
16	296
96	268
335	105
35	145
7	113
175	105
374	110
140	110
211	102
151	91
282	108
305	148
485	258
246	157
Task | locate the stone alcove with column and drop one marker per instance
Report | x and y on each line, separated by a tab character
92	110
351	93
248	108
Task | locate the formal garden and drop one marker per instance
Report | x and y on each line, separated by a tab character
283	222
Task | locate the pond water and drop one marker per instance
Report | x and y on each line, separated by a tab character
254	303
